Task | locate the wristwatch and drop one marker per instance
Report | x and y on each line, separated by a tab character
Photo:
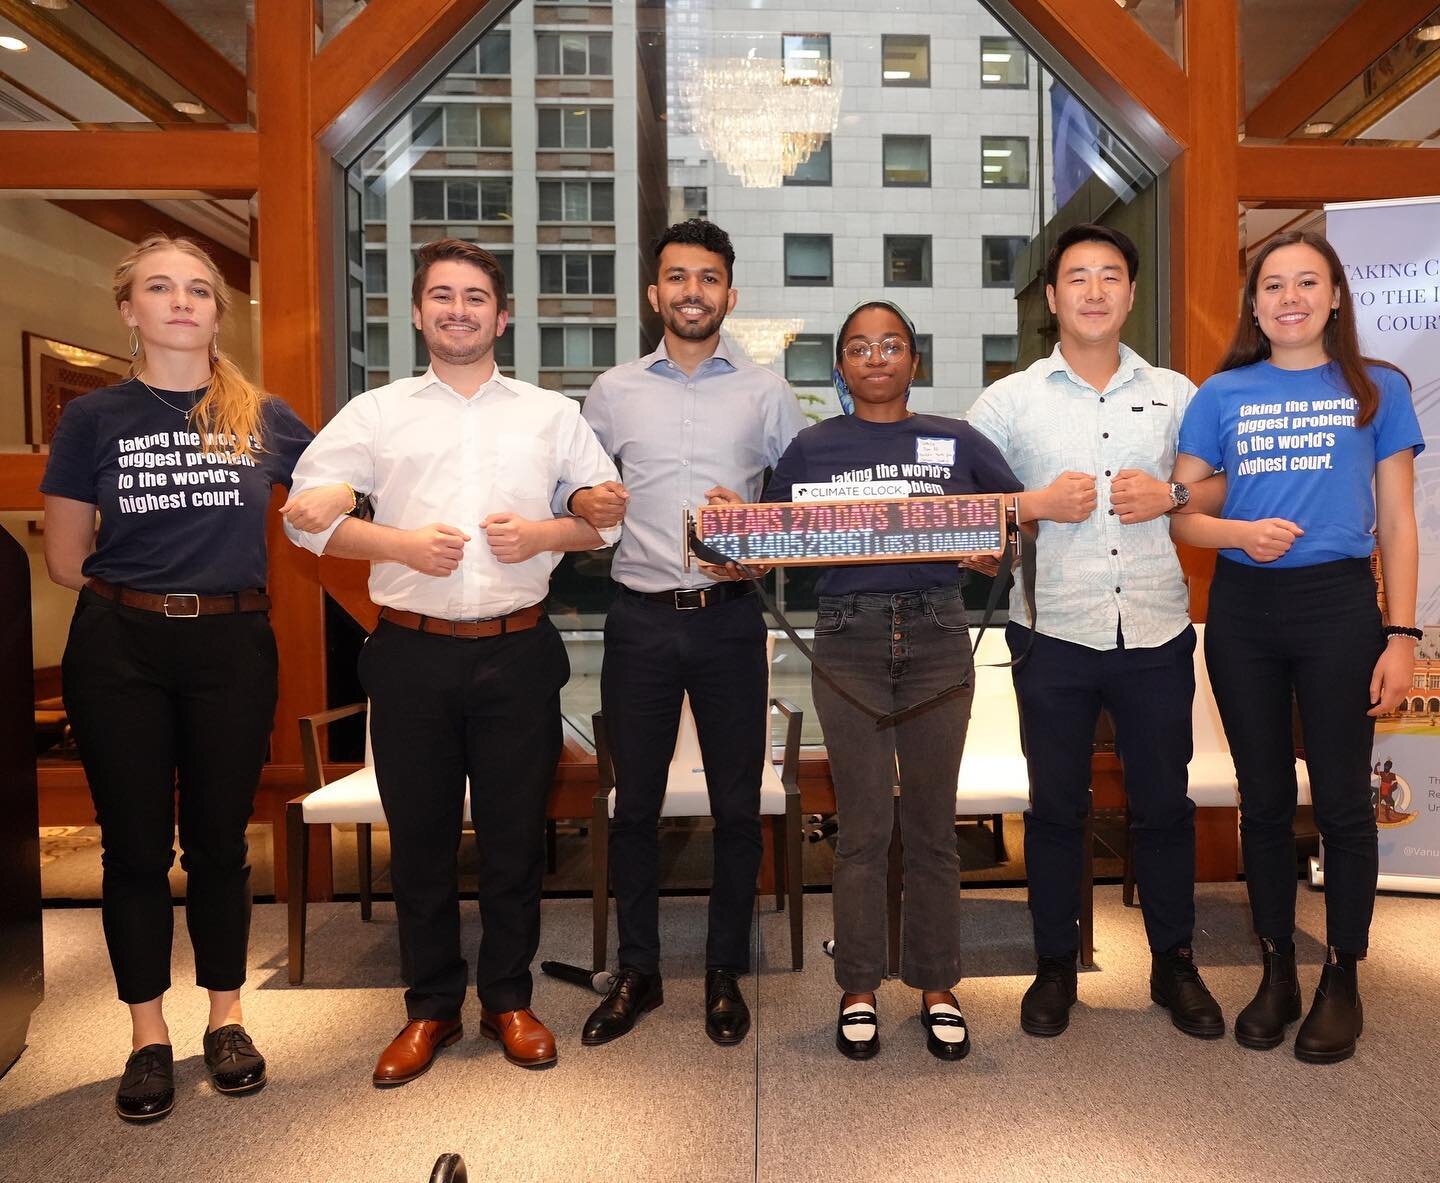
1179	495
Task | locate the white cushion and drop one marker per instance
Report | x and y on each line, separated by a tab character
353	799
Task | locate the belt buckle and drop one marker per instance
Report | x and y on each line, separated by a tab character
699	594
191	596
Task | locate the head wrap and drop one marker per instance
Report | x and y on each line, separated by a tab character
837	379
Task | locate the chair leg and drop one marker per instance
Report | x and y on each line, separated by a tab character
778	835
1127	889
363	867
1087	891
298	867
997	830
894	892
552	853
795	881
600	883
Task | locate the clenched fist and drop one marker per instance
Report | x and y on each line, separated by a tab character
1136	496
1070	497
601	505
1268	539
512	538
435	549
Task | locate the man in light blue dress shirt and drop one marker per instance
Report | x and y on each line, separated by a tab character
1091	432
690	423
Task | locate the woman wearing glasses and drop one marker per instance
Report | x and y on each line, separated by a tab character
893	635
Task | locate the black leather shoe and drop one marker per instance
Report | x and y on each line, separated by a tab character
857	1031
232	1061
147	1086
1276	1004
727	1018
1336	1018
1175	984
631	994
946	1035
1045	1009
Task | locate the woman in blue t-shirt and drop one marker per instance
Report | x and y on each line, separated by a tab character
1317	445
893	635
169	672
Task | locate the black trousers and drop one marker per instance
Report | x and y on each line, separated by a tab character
654	655
1061	688
1314	633
444	709
161	705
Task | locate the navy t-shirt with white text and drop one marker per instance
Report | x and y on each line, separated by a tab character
175	516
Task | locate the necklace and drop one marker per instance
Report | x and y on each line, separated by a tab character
172	406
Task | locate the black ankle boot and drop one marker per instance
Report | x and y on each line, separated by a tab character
1276	1003
1176	985
1330	1030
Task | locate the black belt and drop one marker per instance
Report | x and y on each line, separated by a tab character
685	599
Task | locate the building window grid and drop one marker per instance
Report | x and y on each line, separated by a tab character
809	358
809	260
907	261
567	127
577	273
904	59
472	199
999	254
1004	162
906	161
573	55
1004	64
461	125
576	201
816	169
805	58
577	347
998	354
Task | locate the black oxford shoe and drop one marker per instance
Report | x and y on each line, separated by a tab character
231	1059
727	1018
147	1086
1176	985
1261	1025
1045	1008
631	994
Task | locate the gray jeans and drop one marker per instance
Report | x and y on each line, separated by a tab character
891	652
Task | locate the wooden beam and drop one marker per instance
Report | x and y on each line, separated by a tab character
1115	55
1309	174
133	220
1369	31
155	31
219	162
375	54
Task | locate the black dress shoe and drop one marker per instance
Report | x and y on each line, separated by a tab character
946	1035
1276	1004
857	1032
727	1018
631	994
147	1086
1336	1017
1176	985
232	1061
1045	1009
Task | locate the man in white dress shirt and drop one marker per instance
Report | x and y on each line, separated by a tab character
464	670
1091	432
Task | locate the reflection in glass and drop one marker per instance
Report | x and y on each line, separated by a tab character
1385	101
1164	21
1005	162
1003	63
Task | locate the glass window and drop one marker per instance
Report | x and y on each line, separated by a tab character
577	347
806	57
376	280
1004	63
427	200
427	127
462	126
577	274
573	54
809	259
998	254
905	60
494	52
1004	162
809	358
577	201
907	260
422	355
505	349
462	201
576	127
925	371
815	169
907	160
374	200
377	346
495	200
998	355
494	125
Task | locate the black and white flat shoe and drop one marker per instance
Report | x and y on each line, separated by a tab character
946	1036
857	1033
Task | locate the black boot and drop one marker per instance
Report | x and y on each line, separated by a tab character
1330	1030
1045	1009
1276	1003
1176	985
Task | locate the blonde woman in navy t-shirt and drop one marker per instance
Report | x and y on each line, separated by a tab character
1317	445
169	672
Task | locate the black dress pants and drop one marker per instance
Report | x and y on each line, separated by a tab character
157	705
1061	688
443	709
654	655
1314	633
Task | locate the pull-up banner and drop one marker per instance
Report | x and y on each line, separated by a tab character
1391	254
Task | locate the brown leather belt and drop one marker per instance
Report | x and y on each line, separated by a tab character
516	622
182	605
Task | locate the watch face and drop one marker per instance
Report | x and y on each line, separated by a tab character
1179	493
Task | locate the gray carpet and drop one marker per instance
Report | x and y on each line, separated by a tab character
1121	1096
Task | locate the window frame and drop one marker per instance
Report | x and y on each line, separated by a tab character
828	182
927	261
590	38
885	180
902	82
827	282
990	143
991	44
825	339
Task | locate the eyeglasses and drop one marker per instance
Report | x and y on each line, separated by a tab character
891	349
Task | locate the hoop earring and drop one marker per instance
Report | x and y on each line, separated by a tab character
134	343
214	349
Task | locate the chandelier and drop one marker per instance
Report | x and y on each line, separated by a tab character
759	123
763	338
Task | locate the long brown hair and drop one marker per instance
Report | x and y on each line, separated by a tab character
232	403
1341	341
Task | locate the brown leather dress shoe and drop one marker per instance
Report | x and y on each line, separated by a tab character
525	1040
411	1052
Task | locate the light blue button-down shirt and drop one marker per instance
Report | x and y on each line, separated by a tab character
1099	574
674	436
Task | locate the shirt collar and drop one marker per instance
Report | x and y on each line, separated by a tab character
1131	363
722	361
430	379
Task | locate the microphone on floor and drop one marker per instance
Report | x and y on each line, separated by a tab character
579	976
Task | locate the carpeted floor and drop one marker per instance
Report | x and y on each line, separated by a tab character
1121	1096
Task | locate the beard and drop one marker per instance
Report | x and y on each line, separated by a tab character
463	352
691	330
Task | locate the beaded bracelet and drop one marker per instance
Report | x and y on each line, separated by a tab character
1400	630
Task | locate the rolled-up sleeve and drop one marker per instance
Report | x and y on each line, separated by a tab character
583	464
342	454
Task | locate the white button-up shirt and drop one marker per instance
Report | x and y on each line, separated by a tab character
426	454
1098	575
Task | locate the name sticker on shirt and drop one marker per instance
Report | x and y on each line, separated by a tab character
931	449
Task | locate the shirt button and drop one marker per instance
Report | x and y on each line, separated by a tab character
897	636
1102	398
1117	591
1104	435
1107	472
685	464
1112	513
687	422
1114	552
